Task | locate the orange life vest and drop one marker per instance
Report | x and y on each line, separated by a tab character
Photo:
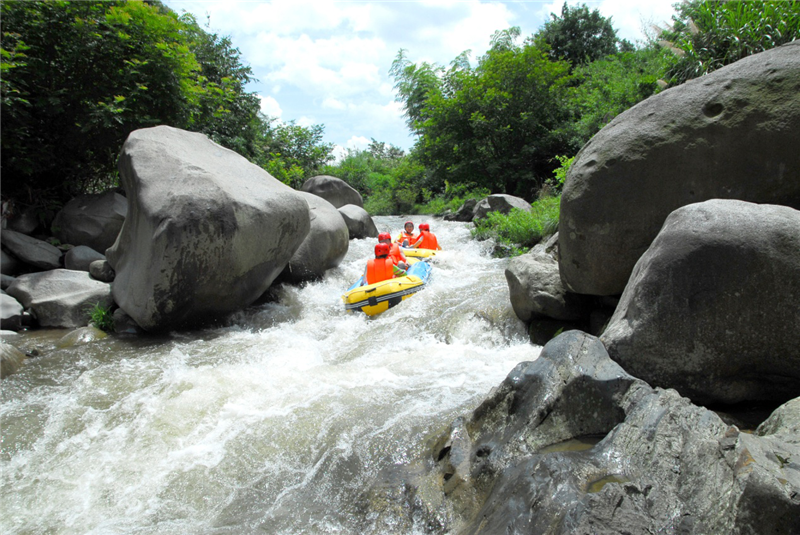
429	241
396	255
379	269
406	236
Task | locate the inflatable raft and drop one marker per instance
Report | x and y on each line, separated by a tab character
417	253
373	299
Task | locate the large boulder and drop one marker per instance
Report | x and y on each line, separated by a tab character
61	297
536	290
358	221
206	234
571	443
11	312
325	246
712	308
499	203
334	190
465	213
9	265
93	220
81	257
732	134
36	253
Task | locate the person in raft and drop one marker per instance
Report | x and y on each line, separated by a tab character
406	238
395	253
381	267
427	239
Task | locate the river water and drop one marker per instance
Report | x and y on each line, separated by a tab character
274	422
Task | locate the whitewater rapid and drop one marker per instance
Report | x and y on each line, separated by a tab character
274	421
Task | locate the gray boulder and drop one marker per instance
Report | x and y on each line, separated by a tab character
712	308
6	281
536	290
93	220
359	223
36	253
207	232
11	359
572	444
334	190
102	270
124	324
732	134
784	422
9	265
11	312
499	203
325	246
79	258
61	297
80	337
25	222
465	213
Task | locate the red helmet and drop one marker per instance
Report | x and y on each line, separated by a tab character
424	226
382	249
384	236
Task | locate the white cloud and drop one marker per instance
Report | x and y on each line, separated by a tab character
333	104
270	106
358	143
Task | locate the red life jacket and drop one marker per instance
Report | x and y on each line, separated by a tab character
379	269
396	255
429	241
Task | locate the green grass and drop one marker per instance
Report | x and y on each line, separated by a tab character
102	318
521	230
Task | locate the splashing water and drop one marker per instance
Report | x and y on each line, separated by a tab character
275	422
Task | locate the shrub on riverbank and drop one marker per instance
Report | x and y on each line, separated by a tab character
521	230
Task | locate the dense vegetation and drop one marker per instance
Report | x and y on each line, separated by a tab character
77	77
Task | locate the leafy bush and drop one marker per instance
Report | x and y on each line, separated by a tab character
520	229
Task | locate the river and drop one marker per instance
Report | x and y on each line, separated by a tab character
273	422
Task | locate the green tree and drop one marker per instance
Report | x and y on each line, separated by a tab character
603	89
78	77
292	153
497	125
706	35
579	36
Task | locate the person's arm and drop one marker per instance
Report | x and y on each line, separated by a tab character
416	243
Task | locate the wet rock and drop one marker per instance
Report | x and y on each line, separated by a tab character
79	258
61	297
571	443
359	223
25	222
325	245
334	190
6	281
206	242
102	270
124	324
499	203
712	308
36	253
11	359
11	312
731	134
92	220
81	336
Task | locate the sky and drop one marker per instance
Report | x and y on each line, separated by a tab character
327	62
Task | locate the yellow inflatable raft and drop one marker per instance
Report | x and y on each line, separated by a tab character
373	299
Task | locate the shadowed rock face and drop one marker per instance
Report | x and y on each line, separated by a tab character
325	245
732	134
570	443
92	220
359	223
207	232
712	308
